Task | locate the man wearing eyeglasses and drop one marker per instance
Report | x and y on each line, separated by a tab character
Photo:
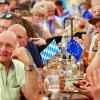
5	21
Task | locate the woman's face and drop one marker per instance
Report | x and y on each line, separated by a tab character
38	18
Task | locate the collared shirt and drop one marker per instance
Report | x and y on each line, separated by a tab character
10	84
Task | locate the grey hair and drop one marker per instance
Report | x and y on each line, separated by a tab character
39	7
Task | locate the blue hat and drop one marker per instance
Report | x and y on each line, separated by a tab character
87	14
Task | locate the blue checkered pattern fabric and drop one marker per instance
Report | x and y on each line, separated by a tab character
74	48
49	51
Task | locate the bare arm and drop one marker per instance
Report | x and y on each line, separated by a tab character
96	84
87	38
30	88
95	63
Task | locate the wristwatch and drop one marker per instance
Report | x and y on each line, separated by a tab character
29	67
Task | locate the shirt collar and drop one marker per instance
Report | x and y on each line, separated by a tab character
11	65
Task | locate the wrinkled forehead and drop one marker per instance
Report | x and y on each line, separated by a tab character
7	37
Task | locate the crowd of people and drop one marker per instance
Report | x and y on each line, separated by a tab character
27	27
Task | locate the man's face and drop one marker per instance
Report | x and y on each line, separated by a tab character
96	10
4	24
18	12
7	46
51	10
21	35
22	40
98	27
4	7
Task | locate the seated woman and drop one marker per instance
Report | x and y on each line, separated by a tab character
39	12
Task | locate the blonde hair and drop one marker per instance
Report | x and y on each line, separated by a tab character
39	7
51	3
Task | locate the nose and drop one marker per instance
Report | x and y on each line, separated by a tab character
3	48
97	30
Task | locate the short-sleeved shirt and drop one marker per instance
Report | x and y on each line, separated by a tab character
10	84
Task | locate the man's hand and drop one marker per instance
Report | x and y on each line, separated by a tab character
85	87
21	54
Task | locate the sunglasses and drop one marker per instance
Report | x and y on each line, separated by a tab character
6	15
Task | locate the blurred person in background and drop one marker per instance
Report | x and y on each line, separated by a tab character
4	6
4	24
13	3
39	13
59	7
51	20
91	30
24	1
20	10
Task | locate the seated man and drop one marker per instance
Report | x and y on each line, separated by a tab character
30	51
12	73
